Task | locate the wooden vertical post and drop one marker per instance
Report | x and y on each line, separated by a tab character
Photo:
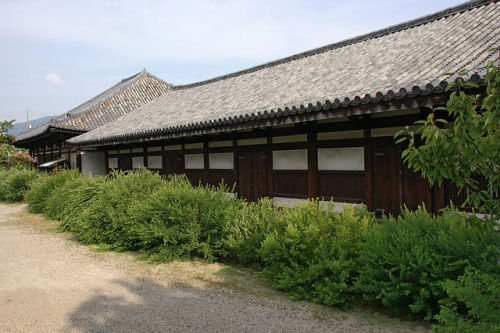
368	164
106	161
236	165
145	155
312	165
269	150
205	162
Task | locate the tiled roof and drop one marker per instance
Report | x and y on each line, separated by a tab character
125	96
408	59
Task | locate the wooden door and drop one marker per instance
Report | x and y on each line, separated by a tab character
416	190
245	175
386	172
125	162
260	175
252	175
173	164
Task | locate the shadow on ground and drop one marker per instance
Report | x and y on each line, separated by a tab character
144	306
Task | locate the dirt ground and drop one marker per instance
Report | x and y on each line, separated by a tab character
50	283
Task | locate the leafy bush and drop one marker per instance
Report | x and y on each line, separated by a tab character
472	303
248	228
311	252
44	186
68	201
14	183
181	221
4	175
105	217
405	260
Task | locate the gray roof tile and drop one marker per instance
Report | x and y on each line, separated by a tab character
415	53
125	96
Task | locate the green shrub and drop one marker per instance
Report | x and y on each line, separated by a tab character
14	183
105	217
472	303
405	260
4	175
311	252
68	201
180	221
43	187
18	183
248	228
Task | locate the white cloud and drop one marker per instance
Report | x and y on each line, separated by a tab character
201	30
53	78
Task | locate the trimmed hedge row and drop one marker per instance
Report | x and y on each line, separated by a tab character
416	266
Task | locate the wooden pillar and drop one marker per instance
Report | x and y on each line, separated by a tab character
145	155
312	165
368	164
269	154
205	162
236	165
106	161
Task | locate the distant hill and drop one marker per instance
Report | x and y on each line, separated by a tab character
19	127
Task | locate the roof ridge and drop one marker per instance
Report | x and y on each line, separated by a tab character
126	82
130	79
371	35
60	122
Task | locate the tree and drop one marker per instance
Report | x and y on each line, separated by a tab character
461	141
5	126
10	156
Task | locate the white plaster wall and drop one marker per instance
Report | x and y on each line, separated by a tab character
347	158
194	161
291	202
221	161
173	147
290	159
197	145
155	162
226	143
113	163
93	162
137	162
290	138
340	135
251	142
154	148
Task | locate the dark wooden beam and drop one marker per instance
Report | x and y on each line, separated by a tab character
312	165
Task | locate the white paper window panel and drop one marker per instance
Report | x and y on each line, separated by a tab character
290	138
124	151
340	135
112	151
349	158
113	163
250	142
215	144
155	162
197	145
154	148
137	150
137	162
221	161
173	147
194	161
290	159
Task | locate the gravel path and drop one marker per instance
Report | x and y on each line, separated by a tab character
50	283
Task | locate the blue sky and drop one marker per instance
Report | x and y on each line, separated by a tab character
55	55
